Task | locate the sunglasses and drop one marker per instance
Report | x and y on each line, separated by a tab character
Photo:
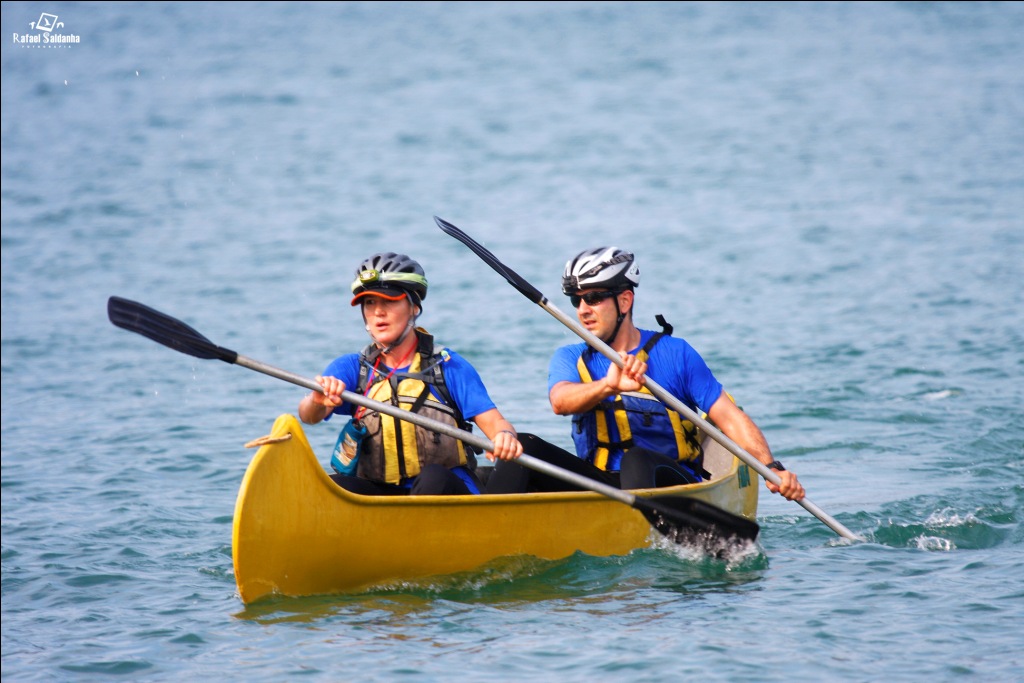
592	298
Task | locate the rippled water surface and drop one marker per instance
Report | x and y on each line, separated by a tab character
825	200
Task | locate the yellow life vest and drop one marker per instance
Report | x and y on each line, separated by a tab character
394	450
635	418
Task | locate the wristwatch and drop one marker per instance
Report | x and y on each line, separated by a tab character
775	465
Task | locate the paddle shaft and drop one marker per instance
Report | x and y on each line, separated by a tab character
535	295
446	429
174	334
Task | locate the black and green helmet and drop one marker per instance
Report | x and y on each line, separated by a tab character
391	276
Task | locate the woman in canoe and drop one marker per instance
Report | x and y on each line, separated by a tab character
377	454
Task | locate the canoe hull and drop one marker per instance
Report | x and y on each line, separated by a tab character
297	533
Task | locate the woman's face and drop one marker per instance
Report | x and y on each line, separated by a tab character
386	320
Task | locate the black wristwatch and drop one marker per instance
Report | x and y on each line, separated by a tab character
775	465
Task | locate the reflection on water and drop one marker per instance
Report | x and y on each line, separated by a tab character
522	581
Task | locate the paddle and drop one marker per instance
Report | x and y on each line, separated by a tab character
534	295
680	519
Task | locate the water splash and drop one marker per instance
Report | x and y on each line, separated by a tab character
947	530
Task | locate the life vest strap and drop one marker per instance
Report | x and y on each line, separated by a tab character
688	448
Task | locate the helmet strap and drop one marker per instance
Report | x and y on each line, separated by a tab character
384	350
618	323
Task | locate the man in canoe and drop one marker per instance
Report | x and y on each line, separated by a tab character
623	435
377	454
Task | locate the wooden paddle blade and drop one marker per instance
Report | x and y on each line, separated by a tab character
684	519
163	329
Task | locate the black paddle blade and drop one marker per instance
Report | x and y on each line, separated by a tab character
163	329
513	278
688	520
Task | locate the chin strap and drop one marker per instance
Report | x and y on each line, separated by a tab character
398	342
618	323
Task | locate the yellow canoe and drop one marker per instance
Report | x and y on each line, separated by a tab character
297	533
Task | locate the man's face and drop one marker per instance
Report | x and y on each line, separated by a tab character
598	309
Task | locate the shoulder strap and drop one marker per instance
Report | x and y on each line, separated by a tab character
665	327
367	357
432	373
666	331
436	368
424	342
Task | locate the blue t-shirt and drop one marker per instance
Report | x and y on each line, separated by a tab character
461	378
673	364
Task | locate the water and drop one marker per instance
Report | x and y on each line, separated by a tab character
825	199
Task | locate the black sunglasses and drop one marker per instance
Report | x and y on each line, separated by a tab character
592	298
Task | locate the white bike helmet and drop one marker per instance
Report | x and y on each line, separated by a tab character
604	267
